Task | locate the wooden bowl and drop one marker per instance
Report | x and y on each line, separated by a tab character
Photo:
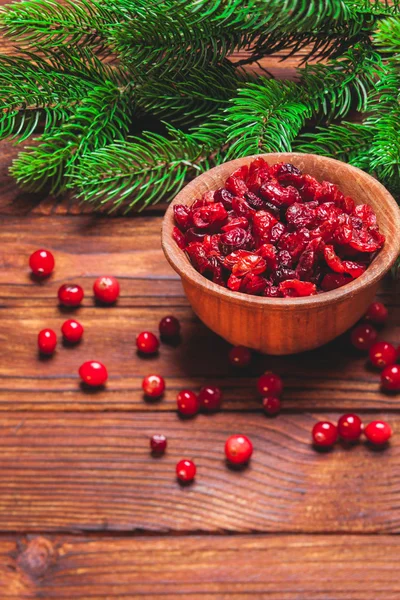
287	325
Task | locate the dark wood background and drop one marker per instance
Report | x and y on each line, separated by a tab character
85	511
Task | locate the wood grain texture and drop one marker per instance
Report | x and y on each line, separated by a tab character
207	567
77	472
333	377
284	326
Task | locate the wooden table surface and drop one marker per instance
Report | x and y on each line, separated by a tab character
85	511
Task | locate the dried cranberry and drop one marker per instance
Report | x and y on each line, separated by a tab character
262	224
182	216
242	208
208	215
241	172
283	274
331	281
211	245
194	235
367	241
241	222
259	164
328	192
269	253
309	188
288	174
271	291
224	196
236	186
179	238
308	259
253	284
366	214
234	283
300	215
296	288
279	195
198	256
254	183
285	258
295	242
235	239
254	201
276	232
252	263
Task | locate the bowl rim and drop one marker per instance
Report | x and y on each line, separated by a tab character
376	270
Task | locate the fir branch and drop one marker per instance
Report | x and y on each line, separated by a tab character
387	36
189	100
46	24
143	170
347	142
101	117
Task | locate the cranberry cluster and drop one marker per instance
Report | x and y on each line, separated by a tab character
350	429
273	231
106	290
382	355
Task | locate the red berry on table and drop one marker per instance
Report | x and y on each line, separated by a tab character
93	373
169	327
390	378
158	443
377	313
382	354
238	449
210	398
187	403
363	336
324	434
270	384
106	289
153	386
70	294
350	427
378	432
272	405
72	331
240	356
147	342
185	470
47	341
41	263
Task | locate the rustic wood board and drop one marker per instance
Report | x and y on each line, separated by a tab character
277	567
87	514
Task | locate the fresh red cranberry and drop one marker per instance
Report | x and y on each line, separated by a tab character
324	434
47	341
390	378
106	289
272	405
185	470
72	331
238	449
41	263
169	327
378	432
153	386
377	313
350	427
210	398
270	384
70	294
147	342
382	354
93	373
363	336
187	403
158	443
240	356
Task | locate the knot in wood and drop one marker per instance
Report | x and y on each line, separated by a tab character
36	557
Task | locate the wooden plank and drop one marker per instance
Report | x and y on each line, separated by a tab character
282	567
77	472
329	378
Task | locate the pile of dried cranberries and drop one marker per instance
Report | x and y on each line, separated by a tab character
273	231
